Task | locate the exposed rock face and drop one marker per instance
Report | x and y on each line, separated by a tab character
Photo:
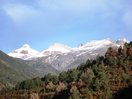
24	52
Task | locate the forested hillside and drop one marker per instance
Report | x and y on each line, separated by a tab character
13	70
106	77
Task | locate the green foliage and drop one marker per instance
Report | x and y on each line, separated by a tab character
73	75
63	77
69	76
47	78
29	84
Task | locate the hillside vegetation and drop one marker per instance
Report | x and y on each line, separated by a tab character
14	70
106	77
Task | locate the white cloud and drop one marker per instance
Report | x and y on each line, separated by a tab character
20	12
55	11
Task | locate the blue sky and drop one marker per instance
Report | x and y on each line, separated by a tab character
41	23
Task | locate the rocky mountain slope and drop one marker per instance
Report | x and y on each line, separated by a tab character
61	57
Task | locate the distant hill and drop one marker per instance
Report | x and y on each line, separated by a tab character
11	70
14	70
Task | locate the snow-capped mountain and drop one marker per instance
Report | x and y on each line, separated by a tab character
25	52
62	57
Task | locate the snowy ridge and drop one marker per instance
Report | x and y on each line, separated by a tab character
26	52
95	44
98	42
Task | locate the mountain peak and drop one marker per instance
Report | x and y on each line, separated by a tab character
24	52
25	46
59	47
